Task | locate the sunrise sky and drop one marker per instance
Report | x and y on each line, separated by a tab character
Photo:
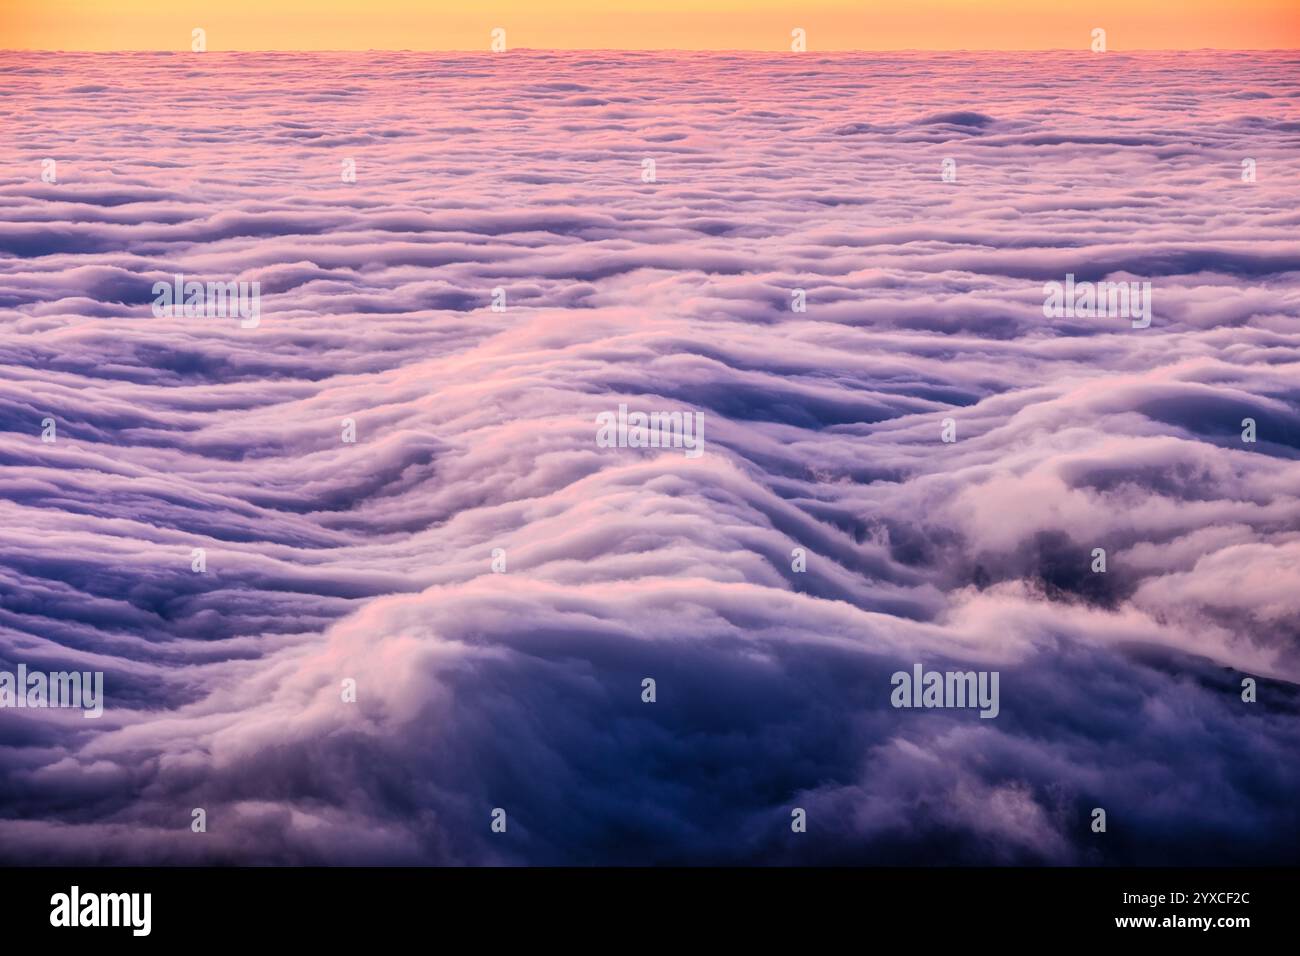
647	24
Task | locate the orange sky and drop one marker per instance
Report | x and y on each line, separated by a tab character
647	24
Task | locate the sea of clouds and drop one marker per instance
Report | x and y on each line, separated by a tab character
476	690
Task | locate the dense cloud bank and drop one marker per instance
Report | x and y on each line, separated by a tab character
371	560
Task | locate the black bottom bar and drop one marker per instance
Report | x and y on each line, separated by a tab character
767	906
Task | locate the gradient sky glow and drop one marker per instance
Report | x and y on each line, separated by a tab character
647	24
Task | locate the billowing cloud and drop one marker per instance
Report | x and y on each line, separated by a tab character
371	561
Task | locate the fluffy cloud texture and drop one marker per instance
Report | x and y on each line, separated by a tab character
476	430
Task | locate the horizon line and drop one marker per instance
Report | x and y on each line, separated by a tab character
526	49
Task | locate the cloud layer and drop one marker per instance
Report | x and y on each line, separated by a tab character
371	561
